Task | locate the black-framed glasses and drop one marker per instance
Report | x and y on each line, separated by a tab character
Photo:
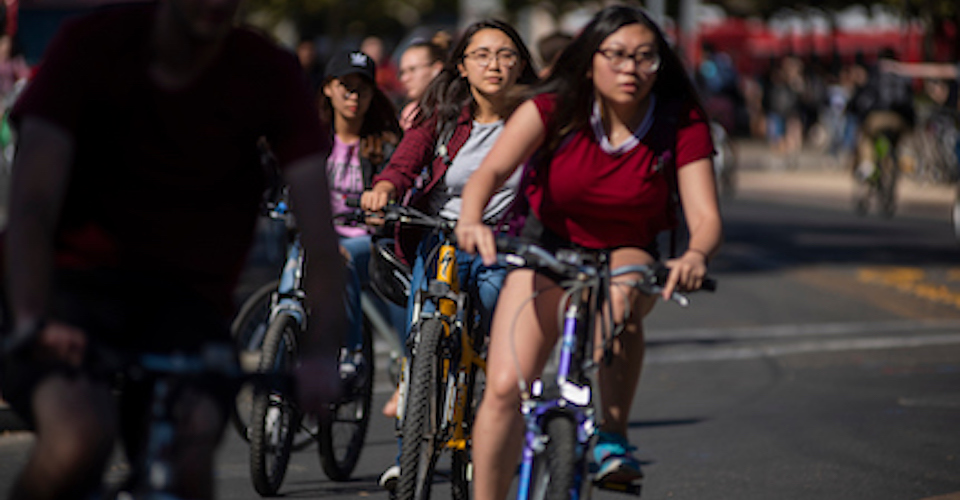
646	61
507	58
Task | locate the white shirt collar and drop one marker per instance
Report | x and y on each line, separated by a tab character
597	123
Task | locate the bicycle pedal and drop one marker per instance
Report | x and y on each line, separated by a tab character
634	488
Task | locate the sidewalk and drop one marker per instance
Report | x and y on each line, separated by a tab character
820	180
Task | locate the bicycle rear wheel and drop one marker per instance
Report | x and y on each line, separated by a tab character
555	470
461	471
421	444
248	329
344	430
275	418
887	188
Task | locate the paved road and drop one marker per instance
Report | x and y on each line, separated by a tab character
826	367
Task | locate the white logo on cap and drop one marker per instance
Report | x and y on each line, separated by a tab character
358	59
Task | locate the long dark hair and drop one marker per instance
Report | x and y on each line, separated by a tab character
448	93
380	125
574	88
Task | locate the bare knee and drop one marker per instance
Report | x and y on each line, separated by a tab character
501	392
200	422
76	421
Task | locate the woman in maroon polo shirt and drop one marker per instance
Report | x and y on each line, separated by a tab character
604	134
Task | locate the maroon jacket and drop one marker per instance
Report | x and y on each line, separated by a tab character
416	151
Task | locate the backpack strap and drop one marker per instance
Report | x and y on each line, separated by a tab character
444	133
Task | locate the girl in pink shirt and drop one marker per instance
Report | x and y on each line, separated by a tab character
365	133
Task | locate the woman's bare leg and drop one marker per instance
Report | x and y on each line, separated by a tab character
520	337
619	379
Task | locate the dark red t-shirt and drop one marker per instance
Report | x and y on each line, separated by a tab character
167	181
601	200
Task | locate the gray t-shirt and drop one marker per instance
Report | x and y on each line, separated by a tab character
446	200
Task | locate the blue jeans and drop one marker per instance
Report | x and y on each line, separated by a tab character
482	283
359	278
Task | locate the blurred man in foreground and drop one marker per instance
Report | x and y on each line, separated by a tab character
134	199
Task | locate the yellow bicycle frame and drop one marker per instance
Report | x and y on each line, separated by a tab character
447	272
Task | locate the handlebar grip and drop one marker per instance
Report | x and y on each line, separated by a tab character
506	244
709	285
352	202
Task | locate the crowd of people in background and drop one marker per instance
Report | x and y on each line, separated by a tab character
796	102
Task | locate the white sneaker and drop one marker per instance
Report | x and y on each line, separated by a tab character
388	480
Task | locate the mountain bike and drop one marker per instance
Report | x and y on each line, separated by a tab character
440	382
561	409
267	332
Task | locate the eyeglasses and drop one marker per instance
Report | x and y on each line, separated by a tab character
411	69
505	57
362	90
646	61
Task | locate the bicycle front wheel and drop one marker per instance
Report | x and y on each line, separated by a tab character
421	444
344	430
554	476
248	329
274	419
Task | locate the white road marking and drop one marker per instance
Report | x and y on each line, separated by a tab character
800	330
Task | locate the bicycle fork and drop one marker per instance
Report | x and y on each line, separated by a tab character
563	397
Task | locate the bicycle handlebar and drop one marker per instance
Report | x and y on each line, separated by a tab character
570	264
409	216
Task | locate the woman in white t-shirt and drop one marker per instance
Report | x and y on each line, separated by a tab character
463	110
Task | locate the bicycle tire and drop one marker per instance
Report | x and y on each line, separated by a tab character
274	418
420	447
460	461
555	471
887	188
349	418
249	323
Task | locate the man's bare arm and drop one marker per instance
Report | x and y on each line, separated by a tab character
325	282
41	172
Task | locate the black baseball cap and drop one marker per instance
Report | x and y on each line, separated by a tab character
354	61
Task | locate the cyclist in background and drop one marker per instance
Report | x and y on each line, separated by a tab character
883	105
420	63
134	198
365	134
601	135
461	115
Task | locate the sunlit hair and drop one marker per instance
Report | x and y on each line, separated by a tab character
574	88
380	124
448	93
436	47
